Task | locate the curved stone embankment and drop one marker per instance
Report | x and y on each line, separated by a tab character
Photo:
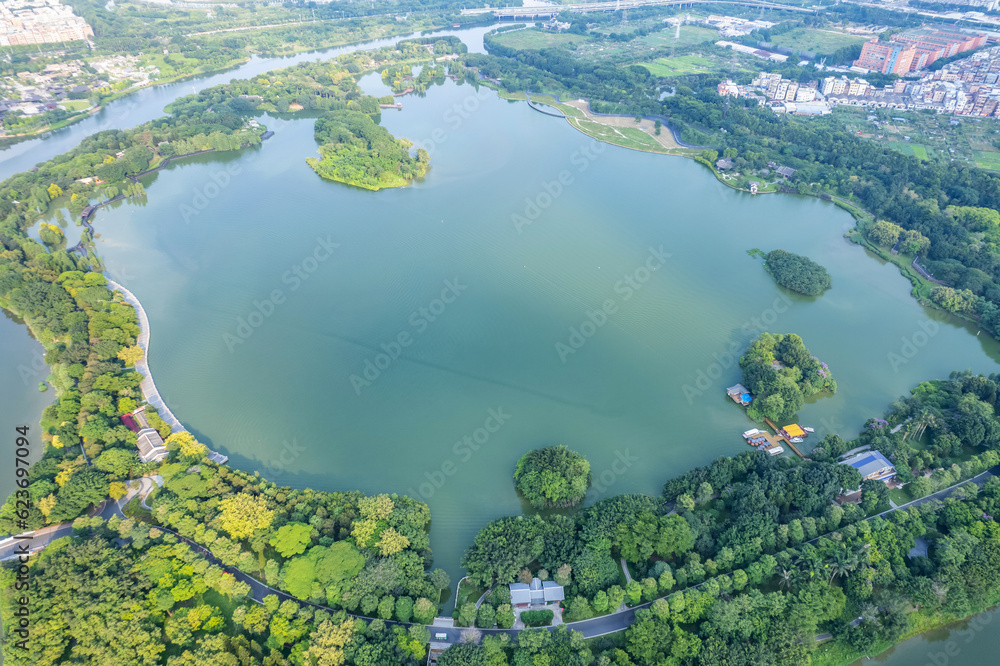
149	391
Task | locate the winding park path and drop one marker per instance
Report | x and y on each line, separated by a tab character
925	274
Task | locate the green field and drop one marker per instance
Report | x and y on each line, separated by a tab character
689	35
629	137
533	39
689	64
75	104
987	159
912	149
816	41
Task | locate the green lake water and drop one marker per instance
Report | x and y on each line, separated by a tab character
971	642
641	395
655	241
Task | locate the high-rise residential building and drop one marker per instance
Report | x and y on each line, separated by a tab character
916	49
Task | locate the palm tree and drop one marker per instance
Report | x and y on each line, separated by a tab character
808	561
921	422
787	579
839	565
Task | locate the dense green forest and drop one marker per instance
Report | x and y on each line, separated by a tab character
781	374
553	477
751	558
798	273
356	151
155	600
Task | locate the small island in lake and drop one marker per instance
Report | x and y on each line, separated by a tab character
798	273
354	149
781	374
553	477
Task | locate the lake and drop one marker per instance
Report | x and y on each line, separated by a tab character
536	288
148	103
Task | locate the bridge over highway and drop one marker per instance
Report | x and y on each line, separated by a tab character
548	11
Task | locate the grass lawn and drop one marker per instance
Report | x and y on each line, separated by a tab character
689	35
912	149
135	510
629	137
553	101
467	592
75	104
987	159
689	64
900	495
816	41
832	653
539	39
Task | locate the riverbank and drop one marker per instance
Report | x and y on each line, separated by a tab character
395	29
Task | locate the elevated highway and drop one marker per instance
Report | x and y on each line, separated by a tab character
548	11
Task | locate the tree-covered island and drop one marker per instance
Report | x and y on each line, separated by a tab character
553	477
356	151
798	273
781	374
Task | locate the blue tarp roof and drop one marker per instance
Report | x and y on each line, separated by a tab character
868	462
746	397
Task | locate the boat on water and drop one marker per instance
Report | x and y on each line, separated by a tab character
750	433
809	429
796	440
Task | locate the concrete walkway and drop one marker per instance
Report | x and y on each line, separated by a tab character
149	391
927	276
628	576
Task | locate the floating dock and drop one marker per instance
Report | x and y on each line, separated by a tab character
783	438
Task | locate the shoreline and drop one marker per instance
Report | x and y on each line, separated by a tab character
143	342
6	141
917	281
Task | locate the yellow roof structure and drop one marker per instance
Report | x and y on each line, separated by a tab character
794	430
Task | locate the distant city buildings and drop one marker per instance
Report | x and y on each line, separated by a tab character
25	22
966	87
779	94
914	50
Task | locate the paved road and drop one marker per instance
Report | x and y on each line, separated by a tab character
594	627
925	274
10	548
